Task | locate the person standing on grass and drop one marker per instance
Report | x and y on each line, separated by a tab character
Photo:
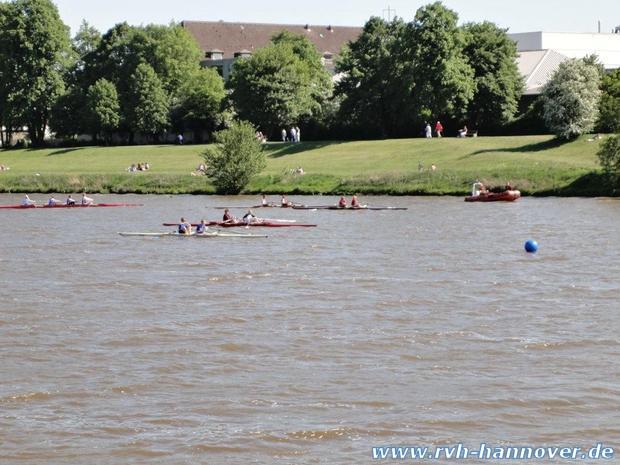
438	129
283	135
298	133
427	131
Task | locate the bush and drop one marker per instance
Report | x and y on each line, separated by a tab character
235	158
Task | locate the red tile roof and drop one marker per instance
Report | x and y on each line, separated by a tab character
236	37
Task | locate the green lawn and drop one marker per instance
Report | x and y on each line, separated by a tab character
535	164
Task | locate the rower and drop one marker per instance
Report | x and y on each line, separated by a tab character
202	227
228	218
250	217
342	203
264	201
284	203
354	202
86	200
27	201
70	201
185	228
52	202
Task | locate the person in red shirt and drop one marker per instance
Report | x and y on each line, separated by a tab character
354	202
438	129
342	203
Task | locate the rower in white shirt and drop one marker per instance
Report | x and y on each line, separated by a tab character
86	200
27	201
51	202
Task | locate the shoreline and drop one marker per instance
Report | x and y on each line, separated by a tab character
535	165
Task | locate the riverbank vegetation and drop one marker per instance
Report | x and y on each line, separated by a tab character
537	165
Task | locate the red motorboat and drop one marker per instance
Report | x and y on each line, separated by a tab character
506	196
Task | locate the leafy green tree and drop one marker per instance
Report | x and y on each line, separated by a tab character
199	106
371	85
498	83
69	115
441	80
174	55
280	84
104	108
609	156
235	158
34	51
86	40
571	99
149	102
609	117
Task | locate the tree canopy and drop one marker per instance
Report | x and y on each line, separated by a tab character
571	99
609	117
498	83
281	84
34	51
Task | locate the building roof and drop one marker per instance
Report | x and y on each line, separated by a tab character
236	37
537	67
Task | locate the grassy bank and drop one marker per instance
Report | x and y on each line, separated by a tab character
537	165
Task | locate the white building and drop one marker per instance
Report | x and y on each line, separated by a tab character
540	53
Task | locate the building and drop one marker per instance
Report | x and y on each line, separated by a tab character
540	53
222	42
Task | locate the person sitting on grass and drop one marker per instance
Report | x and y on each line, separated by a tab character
463	132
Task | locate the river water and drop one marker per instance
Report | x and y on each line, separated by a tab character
425	327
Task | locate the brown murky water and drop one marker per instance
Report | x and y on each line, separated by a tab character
430	326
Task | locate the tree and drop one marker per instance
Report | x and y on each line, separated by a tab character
280	85
609	156
235	158
371	85
609	117
34	52
200	102
150	105
498	83
571	99
441	80
103	107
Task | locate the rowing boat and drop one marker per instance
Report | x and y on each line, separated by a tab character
336	207
175	234
264	224
95	205
271	205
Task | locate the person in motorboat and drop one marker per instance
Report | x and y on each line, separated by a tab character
508	186
52	202
228	218
250	217
185	227
342	203
202	227
70	201
86	200
27	201
478	189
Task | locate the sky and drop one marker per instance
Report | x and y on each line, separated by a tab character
515	15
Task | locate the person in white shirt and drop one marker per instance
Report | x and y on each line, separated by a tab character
86	200
293	135
53	202
478	188
27	201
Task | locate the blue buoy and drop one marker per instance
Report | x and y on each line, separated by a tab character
531	246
